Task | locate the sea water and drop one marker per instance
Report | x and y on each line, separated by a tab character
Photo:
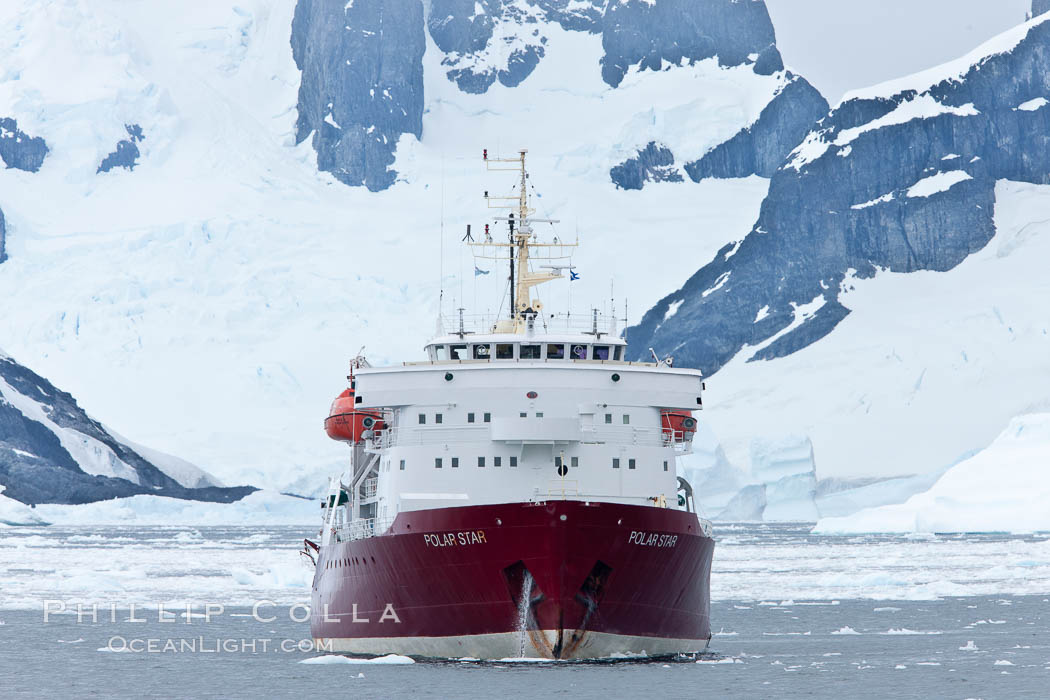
794	615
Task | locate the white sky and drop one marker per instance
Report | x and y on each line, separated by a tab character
841	45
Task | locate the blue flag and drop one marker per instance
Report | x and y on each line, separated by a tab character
478	271
573	276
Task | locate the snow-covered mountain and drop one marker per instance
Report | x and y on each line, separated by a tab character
189	233
888	304
53	452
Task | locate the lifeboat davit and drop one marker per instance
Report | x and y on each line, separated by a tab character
678	425
346	424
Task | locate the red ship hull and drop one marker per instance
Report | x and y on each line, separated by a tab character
563	579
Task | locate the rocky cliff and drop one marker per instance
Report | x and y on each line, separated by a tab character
898	178
51	451
362	83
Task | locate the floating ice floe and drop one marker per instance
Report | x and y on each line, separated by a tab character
337	659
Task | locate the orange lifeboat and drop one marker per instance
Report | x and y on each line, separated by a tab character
346	424
678	425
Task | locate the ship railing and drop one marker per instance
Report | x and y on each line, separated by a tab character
431	435
548	323
642	437
364	527
560	488
370	487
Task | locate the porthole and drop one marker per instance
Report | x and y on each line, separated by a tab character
448	376
615	377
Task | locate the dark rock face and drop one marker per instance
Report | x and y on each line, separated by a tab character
18	149
1040	6
127	153
761	148
36	468
840	209
3	237
652	164
362	83
470	38
637	33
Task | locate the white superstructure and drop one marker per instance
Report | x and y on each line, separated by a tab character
529	407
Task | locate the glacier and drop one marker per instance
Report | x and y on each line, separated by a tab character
1003	488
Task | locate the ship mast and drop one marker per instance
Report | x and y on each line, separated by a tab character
522	245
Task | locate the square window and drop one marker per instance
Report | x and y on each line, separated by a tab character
630	464
600	352
497	461
437	463
513	461
608	418
458	352
470	417
402	465
575	461
626	419
488	418
619	352
579	352
616	462
455	462
422	419
539	414
442	353
529	352
557	461
555	352
523	414
481	461
665	465
481	352
504	351
438	418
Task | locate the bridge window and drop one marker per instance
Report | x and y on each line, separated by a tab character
619	352
522	414
579	352
455	462
441	352
616	462
437	463
438	418
481	352
458	352
539	414
481	461
488	418
513	461
422	419
403	465
600	352
555	352
529	352
470	417
497	461
504	351
630	464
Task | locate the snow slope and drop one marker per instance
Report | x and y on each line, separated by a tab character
207	301
926	369
1003	488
